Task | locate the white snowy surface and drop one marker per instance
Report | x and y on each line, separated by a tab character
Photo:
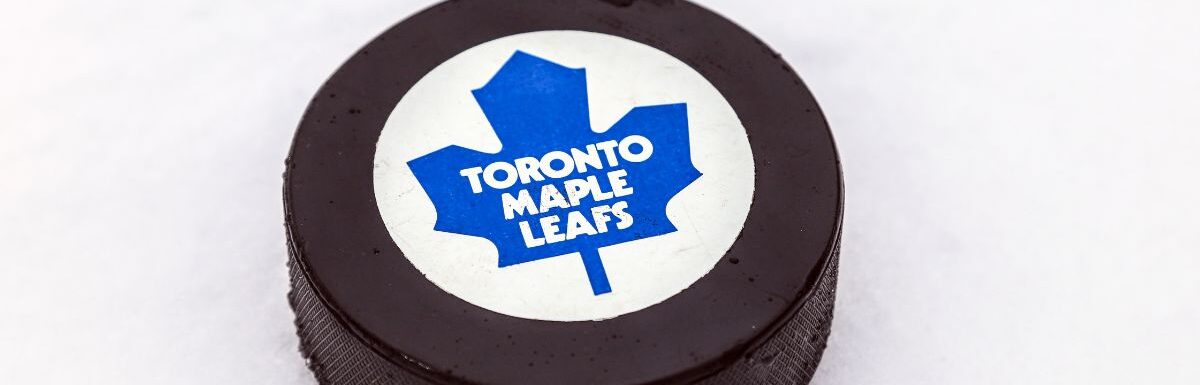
1021	182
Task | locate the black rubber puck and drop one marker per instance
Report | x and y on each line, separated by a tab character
563	192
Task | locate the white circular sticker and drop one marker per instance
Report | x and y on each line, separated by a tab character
563	176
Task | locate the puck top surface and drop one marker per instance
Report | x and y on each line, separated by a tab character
601	161
545	191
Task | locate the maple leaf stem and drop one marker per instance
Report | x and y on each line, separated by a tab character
595	271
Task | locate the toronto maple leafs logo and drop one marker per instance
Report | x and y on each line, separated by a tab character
557	187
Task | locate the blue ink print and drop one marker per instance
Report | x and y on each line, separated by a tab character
557	187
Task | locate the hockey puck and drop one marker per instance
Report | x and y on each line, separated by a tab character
563	192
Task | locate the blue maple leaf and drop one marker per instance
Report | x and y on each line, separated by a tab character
592	189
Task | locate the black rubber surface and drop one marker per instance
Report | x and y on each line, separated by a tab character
367	316
790	356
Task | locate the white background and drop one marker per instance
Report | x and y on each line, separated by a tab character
1021	184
